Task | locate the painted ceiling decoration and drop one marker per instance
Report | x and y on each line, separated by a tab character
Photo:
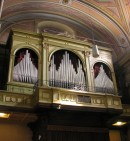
108	20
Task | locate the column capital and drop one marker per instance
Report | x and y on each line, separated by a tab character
87	53
45	45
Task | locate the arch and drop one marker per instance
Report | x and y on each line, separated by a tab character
105	62
86	11
30	51
23	45
83	28
73	51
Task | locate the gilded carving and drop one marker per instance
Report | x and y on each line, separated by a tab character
55	96
68	97
83	99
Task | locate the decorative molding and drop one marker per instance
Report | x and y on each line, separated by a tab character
80	99
16	100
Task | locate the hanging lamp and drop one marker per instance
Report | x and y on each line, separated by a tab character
95	51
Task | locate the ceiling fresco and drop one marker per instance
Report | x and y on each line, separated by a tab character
108	20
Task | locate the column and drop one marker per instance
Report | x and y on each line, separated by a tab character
114	82
88	71
11	68
45	77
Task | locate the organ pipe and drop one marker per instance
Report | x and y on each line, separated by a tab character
66	76
103	81
25	70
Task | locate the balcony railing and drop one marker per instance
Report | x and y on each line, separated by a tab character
73	86
63	84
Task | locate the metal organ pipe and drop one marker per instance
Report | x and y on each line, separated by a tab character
25	70
66	76
103	82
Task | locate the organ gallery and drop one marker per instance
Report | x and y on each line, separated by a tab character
67	82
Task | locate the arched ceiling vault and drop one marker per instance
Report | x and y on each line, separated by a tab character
85	18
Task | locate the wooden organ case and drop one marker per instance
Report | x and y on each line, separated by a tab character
65	76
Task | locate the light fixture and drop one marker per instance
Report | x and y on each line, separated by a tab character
4	115
95	51
119	123
59	107
39	137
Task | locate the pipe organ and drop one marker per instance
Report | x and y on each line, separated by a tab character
66	76
25	71
62	62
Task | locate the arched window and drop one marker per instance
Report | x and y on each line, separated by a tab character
25	66
102	78
66	71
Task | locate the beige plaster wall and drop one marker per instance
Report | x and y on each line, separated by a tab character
114	135
14	132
